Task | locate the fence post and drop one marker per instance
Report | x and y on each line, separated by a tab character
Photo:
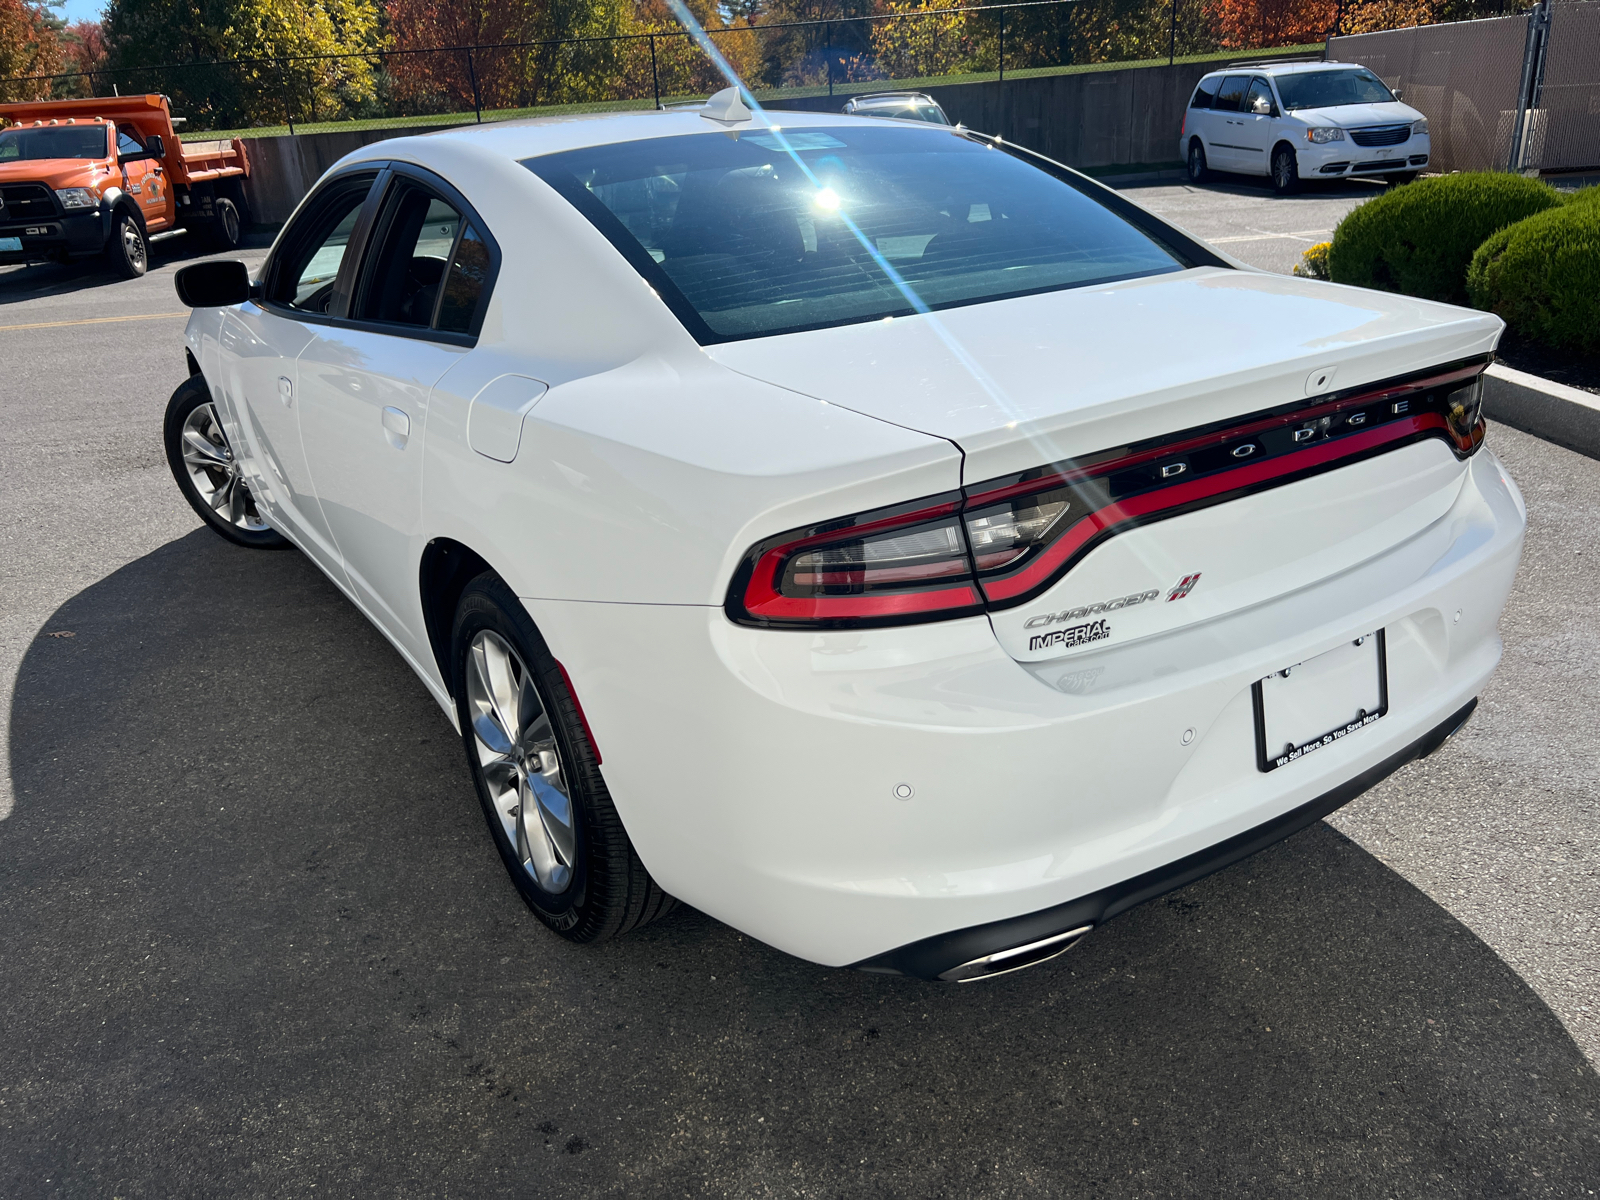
1528	86
827	52
477	97
1172	37
1002	45
283	88
655	80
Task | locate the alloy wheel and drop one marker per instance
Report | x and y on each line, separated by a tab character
214	471
521	762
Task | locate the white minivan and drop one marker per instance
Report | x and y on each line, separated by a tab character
1302	120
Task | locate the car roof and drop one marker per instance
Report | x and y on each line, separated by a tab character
1284	68
532	137
892	99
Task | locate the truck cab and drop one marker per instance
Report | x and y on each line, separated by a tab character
105	175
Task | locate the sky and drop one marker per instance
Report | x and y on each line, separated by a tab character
80	10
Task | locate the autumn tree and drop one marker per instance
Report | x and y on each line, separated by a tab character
1241	24
29	46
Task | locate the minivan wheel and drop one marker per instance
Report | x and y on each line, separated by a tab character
207	472
1285	171
128	251
538	777
1198	173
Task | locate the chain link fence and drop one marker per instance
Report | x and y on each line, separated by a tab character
789	60
1509	93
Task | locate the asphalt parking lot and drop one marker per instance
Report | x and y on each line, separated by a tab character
254	940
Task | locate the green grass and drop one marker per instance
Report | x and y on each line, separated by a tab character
437	120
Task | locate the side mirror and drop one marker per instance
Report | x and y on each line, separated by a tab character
214	284
1397	95
154	147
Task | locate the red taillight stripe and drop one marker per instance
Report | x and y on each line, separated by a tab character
1088	528
1220	437
827	608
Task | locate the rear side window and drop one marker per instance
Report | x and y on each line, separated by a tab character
755	233
1205	94
1230	96
429	267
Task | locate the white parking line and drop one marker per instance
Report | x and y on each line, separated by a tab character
1307	235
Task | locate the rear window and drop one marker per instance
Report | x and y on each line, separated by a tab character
745	237
81	141
1331	89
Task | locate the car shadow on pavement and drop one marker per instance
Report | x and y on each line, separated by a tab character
256	940
20	284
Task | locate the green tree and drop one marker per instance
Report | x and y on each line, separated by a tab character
147	40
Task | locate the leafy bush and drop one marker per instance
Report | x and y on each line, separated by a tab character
1313	263
1420	239
1542	275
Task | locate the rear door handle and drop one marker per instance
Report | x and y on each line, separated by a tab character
396	427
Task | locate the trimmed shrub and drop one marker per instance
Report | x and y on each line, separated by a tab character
1542	275
1420	239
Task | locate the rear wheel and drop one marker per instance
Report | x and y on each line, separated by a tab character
225	225
1198	172
207	472
1285	171
538	775
128	252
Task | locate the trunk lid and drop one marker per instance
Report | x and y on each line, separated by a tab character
1040	379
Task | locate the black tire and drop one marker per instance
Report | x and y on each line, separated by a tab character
1285	171
225	225
1198	171
128	251
609	892
193	394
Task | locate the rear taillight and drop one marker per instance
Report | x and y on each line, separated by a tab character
1463	413
888	566
1000	543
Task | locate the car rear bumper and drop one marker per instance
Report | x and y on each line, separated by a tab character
848	796
72	235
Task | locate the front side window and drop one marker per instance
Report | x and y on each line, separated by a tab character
313	246
127	143
758	232
81	141
1258	99
1332	89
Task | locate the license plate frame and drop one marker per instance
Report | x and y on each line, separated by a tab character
10	245
1294	751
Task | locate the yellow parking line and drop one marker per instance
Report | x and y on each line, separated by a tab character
92	321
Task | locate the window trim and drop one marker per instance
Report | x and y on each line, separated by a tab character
1185	251
425	178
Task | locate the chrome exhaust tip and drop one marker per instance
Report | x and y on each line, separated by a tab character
1017	958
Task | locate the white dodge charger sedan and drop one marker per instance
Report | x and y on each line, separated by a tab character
884	539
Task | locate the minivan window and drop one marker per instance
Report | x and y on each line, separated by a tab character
1258	99
752	240
1332	89
1205	93
1230	96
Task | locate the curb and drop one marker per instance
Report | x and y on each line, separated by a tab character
1567	416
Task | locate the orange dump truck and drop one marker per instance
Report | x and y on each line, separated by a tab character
105	175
